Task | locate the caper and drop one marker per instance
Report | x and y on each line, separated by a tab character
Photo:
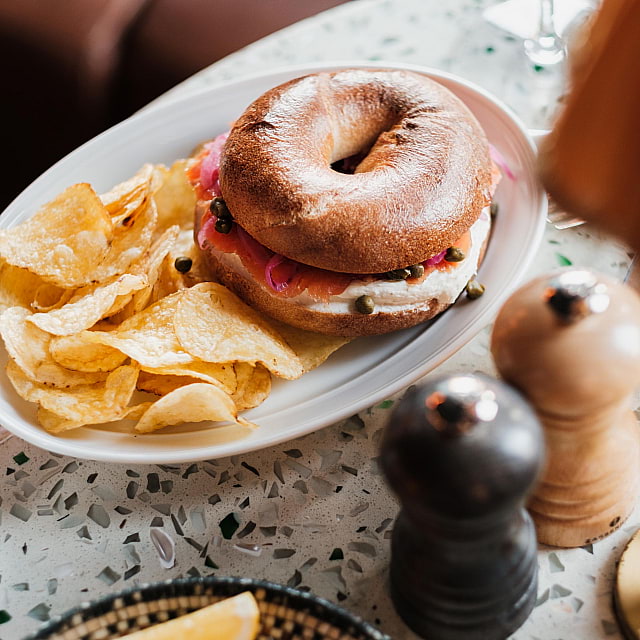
397	274
416	270
183	264
474	289
364	304
223	226
219	209
493	209
454	254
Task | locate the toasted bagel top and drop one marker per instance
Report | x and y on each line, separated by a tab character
423	182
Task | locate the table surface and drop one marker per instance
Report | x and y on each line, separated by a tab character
314	512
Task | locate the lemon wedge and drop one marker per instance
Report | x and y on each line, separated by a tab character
235	618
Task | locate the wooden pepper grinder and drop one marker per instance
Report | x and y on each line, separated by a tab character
461	453
570	342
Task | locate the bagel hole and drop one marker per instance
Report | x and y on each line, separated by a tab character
348	165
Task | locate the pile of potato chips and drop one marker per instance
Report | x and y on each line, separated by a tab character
93	309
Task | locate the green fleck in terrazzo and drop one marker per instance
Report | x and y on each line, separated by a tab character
563	261
21	458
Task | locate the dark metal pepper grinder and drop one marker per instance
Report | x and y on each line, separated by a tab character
462	453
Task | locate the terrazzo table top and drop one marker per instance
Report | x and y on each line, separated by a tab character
314	512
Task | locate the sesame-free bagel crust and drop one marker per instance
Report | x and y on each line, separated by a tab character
422	184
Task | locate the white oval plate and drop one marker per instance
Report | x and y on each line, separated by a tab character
356	377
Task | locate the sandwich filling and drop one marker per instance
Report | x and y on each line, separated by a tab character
331	292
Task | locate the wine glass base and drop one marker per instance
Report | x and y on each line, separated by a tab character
546	50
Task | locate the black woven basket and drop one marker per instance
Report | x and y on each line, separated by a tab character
285	613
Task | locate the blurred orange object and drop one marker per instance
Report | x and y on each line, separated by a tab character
590	163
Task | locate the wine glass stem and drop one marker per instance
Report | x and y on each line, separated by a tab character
547	27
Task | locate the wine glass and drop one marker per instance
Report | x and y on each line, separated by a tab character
539	31
543	25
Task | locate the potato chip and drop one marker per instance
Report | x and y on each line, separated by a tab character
89	305
49	296
131	238
64	240
53	423
151	266
28	346
126	198
312	348
90	282
169	278
83	404
148	337
77	353
193	403
185	246
253	385
214	325
176	198
21	288
220	374
160	384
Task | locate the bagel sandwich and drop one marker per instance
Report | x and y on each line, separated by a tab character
350	203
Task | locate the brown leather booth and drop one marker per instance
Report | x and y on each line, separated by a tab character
71	68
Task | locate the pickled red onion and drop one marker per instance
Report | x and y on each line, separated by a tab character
210	167
280	281
207	227
434	260
500	160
